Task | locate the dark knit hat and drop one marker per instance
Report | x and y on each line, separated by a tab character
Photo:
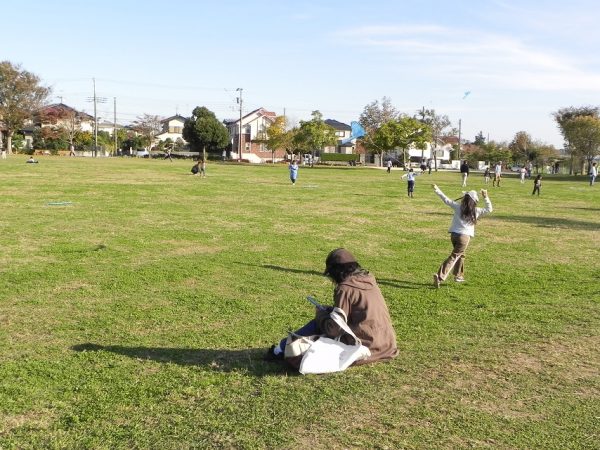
338	256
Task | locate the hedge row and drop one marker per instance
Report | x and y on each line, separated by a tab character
339	157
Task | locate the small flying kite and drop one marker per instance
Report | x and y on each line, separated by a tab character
466	94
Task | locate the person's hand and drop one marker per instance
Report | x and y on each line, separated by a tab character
484	193
435	187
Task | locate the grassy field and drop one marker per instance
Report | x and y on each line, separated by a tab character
136	314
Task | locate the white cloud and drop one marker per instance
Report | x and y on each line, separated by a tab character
475	56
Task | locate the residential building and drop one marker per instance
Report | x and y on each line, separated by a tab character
172	128
343	132
61	115
254	127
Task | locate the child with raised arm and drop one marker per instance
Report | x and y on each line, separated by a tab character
410	176
462	229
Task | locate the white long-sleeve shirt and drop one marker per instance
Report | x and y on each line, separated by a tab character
459	225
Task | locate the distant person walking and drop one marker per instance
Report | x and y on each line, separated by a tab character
464	171
537	184
462	229
293	168
72	150
522	172
430	165
168	155
593	173
497	174
410	176
389	165
486	175
203	168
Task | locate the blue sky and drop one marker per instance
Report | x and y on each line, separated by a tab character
520	60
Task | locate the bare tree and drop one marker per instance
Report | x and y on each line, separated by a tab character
148	126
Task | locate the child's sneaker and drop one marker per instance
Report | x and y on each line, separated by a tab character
436	281
459	279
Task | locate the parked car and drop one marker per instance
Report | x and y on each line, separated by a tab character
515	168
142	153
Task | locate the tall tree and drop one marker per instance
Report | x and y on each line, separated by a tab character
20	95
440	127
401	134
278	136
148	126
373	117
479	139
583	133
314	134
522	147
205	132
563	116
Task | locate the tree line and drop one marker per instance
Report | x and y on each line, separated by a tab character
22	94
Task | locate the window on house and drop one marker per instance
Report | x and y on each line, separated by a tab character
339	133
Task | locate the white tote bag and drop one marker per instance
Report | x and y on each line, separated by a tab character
327	355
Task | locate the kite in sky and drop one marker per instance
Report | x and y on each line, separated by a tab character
466	94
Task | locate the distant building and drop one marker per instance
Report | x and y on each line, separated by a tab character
172	128
254	128
64	116
343	132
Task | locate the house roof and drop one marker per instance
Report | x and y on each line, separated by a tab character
260	111
61	108
176	116
449	140
338	125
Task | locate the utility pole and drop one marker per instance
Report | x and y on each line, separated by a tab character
240	133
95	122
115	124
96	100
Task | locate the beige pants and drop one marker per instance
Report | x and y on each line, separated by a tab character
456	261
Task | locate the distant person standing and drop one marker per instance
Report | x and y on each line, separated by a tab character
293	168
430	165
423	167
196	168
537	184
3	152
497	174
464	171
72	150
462	229
593	173
168	155
410	176
389	165
203	168
523	172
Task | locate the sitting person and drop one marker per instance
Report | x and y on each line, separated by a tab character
357	294
31	160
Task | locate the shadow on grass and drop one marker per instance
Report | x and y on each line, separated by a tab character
401	284
550	222
287	269
219	360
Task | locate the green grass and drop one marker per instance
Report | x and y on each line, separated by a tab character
137	315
